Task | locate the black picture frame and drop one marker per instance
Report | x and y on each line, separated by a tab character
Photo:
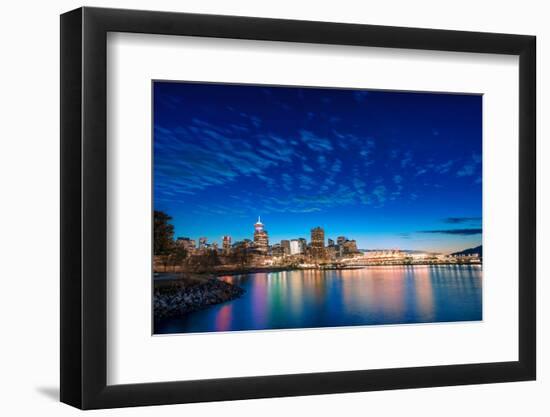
84	207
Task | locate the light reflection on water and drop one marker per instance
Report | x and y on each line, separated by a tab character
314	298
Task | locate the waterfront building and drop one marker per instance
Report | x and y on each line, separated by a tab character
261	239
242	244
330	242
340	240
303	244
317	243
187	243
331	252
350	247
285	244
226	245
202	242
295	247
277	250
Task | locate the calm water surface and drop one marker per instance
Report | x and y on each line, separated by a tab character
373	295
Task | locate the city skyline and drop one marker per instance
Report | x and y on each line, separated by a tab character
388	169
231	241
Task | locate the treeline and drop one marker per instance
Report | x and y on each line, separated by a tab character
173	256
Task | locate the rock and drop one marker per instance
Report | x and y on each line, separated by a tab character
180	300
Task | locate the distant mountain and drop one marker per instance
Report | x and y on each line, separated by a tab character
471	251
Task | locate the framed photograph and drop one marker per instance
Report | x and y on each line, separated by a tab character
258	208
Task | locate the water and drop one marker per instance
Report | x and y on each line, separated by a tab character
368	296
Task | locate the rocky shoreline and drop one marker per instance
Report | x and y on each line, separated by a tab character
181	297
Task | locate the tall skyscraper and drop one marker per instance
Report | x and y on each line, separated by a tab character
303	244
295	247
226	245
202	242
285	244
261	240
317	243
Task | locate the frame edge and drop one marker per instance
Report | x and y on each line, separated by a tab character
83	183
71	192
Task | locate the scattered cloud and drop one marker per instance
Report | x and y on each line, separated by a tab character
466	171
460	220
407	159
462	232
314	142
470	168
444	167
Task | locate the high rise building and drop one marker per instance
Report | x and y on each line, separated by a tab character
330	242
350	247
340	240
303	244
285	244
226	245
202	242
277	250
317	243
295	247
261	239
187	243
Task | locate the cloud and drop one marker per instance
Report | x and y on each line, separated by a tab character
470	168
336	166
459	220
380	193
201	155
314	142
254	120
460	232
306	182
421	171
444	167
466	171
407	160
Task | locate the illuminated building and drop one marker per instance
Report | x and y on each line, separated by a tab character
285	244
261	240
226	244
295	247
277	250
317	243
303	244
350	247
187	243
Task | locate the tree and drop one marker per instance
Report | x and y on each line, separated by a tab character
205	262
178	256
163	237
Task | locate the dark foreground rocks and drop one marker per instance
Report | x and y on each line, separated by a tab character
178	299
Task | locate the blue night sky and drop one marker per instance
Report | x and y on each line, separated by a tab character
389	169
